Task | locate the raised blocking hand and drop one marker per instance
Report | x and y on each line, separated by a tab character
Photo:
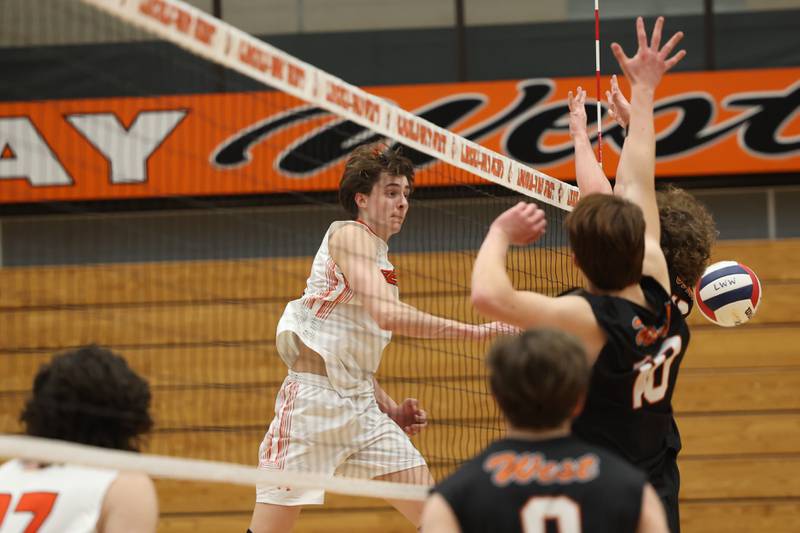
651	61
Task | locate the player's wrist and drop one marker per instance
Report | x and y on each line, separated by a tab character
646	89
497	233
579	136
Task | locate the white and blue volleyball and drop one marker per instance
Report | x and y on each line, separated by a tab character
728	294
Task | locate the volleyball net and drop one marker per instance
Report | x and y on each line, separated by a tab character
240	146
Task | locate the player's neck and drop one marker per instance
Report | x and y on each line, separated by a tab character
530	434
373	228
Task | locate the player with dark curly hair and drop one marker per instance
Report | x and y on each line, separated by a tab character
688	233
87	396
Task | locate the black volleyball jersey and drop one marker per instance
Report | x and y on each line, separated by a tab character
681	294
629	405
520	485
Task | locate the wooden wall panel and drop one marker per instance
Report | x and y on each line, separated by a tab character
203	332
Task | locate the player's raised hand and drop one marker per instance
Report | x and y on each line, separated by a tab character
618	106
577	112
652	60
522	224
409	416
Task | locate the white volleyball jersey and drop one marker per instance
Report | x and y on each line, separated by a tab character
56	498
330	320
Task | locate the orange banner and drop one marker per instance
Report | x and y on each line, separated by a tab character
708	123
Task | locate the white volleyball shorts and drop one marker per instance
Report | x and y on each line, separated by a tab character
316	430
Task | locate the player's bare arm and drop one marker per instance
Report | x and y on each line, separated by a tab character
408	414
130	505
588	173
354	250
652	518
438	517
636	170
494	295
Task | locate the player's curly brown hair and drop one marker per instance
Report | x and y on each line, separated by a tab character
90	396
687	233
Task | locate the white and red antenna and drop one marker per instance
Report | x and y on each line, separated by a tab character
597	79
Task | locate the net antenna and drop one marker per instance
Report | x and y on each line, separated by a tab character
597	81
218	41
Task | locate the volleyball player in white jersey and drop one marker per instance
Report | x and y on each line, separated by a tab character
89	396
331	416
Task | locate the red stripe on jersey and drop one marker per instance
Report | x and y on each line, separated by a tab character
331	283
345	296
390	276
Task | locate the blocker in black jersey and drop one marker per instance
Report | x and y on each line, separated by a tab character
559	484
629	405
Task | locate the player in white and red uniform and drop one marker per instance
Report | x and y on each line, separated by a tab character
88	396
331	416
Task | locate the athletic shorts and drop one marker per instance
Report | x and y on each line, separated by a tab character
316	430
667	483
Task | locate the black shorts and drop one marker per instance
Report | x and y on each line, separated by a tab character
667	482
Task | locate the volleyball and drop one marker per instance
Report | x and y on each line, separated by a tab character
728	293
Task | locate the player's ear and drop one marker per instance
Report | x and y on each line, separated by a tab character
578	409
361	200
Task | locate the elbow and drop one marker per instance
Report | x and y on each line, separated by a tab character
386	323
484	300
386	319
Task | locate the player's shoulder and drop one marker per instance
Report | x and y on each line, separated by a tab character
347	234
129	486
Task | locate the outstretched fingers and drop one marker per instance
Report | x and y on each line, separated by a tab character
621	58
671	44
655	40
674	60
576	101
641	33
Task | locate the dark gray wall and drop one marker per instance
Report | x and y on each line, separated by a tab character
743	40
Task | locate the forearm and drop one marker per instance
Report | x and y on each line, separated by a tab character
385	402
590	176
636	176
637	161
490	281
407	320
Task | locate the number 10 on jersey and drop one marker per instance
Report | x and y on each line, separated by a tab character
645	387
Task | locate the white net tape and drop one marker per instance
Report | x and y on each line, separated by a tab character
160	466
